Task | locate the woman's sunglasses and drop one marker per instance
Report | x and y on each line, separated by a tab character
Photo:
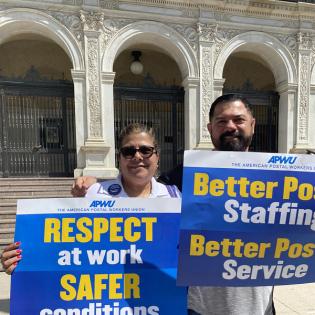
145	151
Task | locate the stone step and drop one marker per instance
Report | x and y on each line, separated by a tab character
14	198
35	180
7	210
7	223
12	189
4	216
17	188
7	233
4	242
7	205
35	193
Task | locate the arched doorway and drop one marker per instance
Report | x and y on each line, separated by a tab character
153	97
280	62
249	75
37	109
164	40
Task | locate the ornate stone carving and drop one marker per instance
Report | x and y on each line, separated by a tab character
206	89
73	2
189	33
303	99
304	40
71	21
291	23
92	21
222	37
220	16
207	32
110	28
93	88
109	4
190	13
290	42
313	54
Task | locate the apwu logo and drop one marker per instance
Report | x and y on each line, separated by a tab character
102	203
280	159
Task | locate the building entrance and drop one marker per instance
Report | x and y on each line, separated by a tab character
37	129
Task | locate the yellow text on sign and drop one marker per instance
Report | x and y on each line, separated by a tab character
233	187
87	287
227	248
284	247
85	229
291	186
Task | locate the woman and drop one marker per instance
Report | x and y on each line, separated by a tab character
138	162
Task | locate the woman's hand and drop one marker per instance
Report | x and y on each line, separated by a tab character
81	185
10	257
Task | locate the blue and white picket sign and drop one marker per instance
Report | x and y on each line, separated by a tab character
248	219
97	257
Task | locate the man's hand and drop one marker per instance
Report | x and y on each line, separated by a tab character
10	257
81	185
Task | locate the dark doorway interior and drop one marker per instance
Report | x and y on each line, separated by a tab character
266	112
161	108
37	128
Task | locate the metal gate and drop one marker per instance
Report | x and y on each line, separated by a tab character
162	109
266	112
37	129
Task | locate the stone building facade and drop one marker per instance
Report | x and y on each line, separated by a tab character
199	38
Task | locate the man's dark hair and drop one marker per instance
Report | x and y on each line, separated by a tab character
230	98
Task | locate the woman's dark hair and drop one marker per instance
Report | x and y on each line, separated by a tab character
137	128
230	98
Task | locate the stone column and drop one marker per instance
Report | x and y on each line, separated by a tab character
287	109
304	65
78	78
218	87
312	96
206	44
191	86
91	2
98	148
312	116
107	83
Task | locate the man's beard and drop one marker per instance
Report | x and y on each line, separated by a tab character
234	141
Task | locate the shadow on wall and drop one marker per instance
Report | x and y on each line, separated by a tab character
4	307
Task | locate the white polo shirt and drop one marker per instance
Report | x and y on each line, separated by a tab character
114	188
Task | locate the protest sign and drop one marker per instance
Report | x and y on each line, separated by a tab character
97	257
248	219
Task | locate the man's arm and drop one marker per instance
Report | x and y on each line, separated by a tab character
81	185
173	177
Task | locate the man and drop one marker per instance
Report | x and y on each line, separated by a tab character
231	127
